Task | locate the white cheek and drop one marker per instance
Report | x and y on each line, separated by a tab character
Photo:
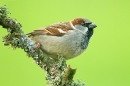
80	28
83	30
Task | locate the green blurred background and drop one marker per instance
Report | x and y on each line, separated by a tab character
106	62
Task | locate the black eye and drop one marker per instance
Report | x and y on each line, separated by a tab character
85	24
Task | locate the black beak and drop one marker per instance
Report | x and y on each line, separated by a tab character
92	25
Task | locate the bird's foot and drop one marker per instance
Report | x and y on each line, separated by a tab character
37	46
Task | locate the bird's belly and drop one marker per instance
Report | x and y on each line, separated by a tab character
68	47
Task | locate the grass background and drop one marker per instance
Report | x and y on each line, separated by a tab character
106	62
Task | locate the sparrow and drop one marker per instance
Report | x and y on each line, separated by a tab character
69	39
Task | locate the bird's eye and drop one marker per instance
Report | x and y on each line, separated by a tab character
85	24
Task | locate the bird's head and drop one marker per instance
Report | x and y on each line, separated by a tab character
83	24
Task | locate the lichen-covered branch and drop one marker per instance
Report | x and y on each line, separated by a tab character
57	73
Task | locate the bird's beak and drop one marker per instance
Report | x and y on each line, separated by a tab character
92	25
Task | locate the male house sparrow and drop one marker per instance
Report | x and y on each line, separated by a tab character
67	38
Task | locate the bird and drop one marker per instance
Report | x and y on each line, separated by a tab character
69	39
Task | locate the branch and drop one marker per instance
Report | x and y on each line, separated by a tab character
57	73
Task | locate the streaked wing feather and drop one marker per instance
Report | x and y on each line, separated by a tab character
58	29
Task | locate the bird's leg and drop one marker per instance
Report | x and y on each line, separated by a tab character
38	45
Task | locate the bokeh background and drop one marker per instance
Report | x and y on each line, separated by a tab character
106	62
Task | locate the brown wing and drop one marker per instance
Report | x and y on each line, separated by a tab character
58	29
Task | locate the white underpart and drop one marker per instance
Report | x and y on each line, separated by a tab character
69	45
